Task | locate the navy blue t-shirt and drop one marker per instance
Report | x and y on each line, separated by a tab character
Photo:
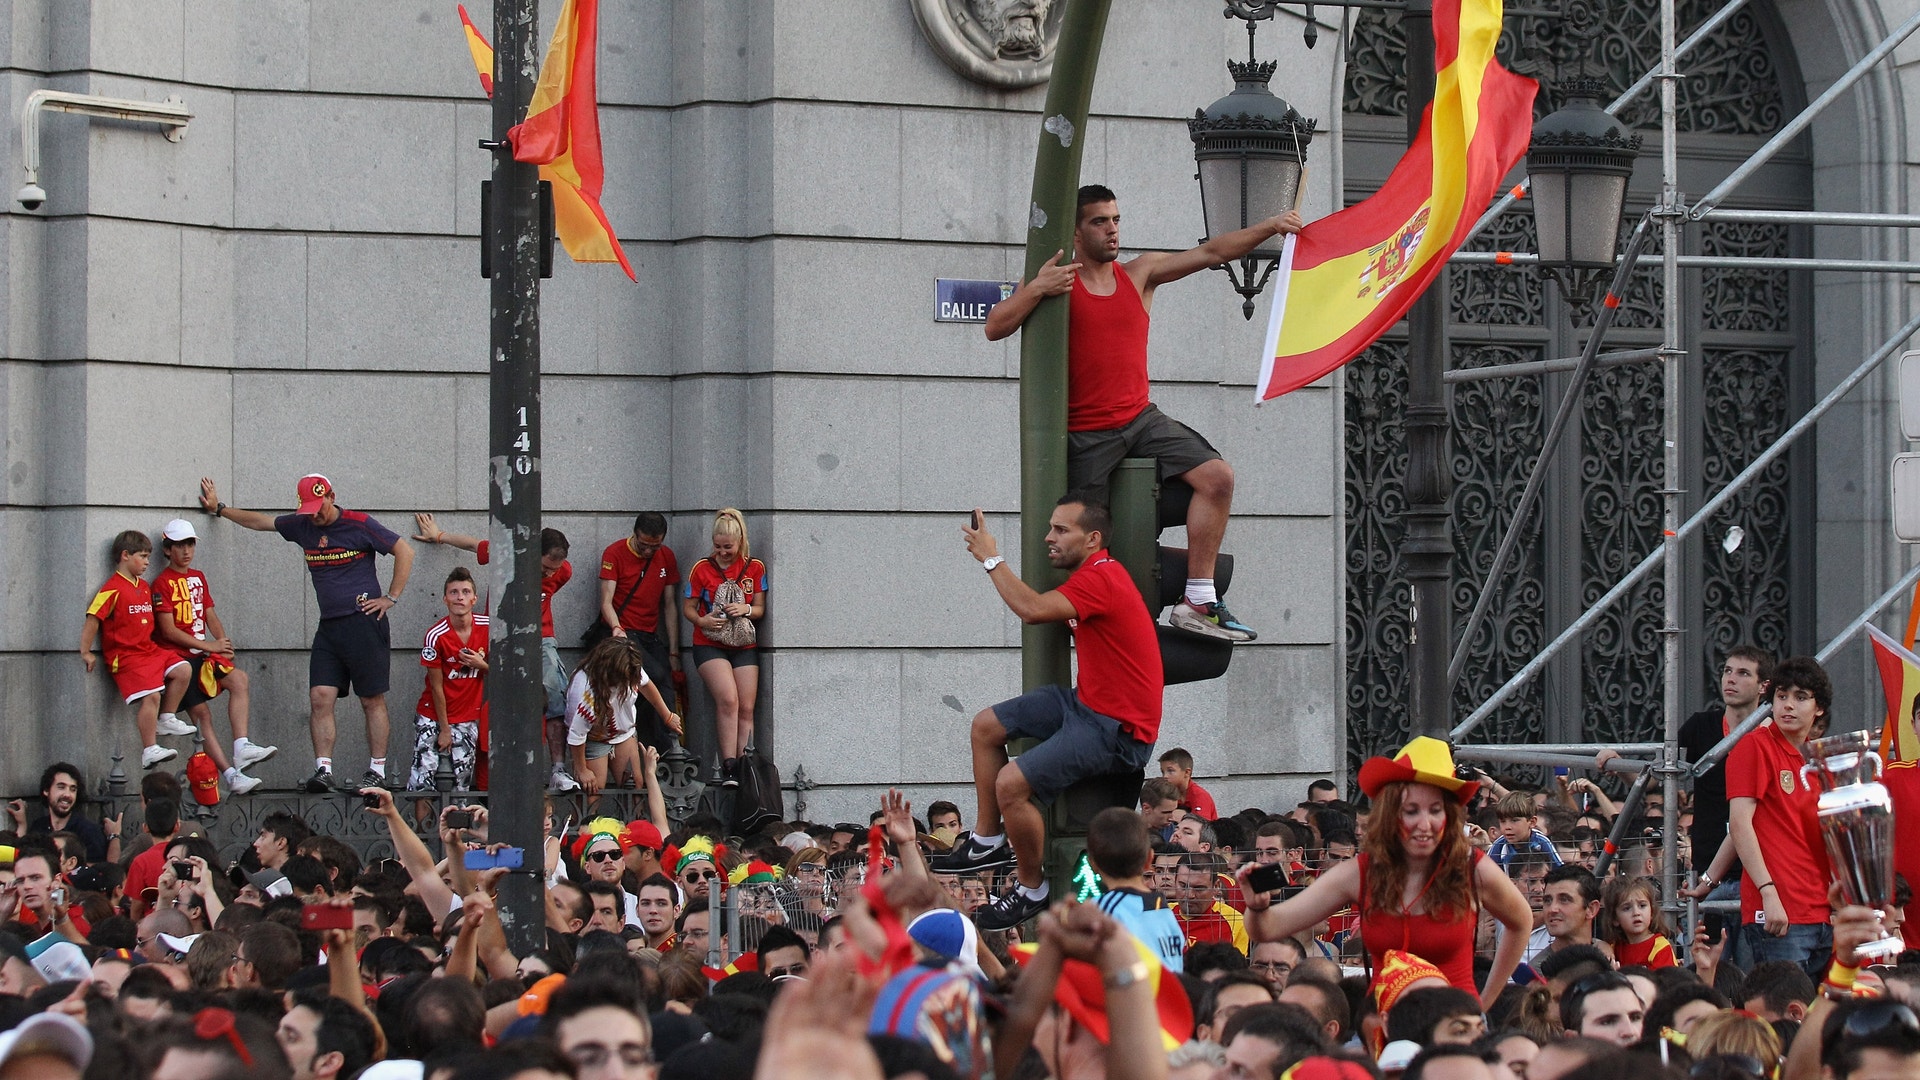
340	557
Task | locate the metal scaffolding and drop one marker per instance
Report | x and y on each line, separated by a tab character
1671	214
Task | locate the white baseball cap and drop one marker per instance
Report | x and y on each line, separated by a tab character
179	529
48	1033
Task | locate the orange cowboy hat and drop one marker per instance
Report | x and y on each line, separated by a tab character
1425	760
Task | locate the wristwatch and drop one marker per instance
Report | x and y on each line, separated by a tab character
992	561
392	599
1127	976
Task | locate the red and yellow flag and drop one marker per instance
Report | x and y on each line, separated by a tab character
1348	277
562	131
1900	681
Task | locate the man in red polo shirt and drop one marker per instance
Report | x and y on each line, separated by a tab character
639	579
1107	724
1776	829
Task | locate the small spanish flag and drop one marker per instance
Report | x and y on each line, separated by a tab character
1900	682
561	133
1347	278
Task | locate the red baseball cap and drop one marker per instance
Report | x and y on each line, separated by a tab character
644	834
310	491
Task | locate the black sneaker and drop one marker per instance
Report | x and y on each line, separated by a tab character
968	856
369	779
320	783
1009	909
730	773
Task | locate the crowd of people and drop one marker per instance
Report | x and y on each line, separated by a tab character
168	653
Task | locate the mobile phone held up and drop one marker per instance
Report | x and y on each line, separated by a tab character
459	819
326	917
507	858
977	521
1266	879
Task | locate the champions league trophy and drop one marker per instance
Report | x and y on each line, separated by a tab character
1856	817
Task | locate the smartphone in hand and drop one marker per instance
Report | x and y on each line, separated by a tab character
978	521
326	917
1266	879
459	819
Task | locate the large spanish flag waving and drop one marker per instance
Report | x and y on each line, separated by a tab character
1900	682
1348	277
562	131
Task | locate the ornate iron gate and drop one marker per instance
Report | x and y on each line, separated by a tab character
1600	511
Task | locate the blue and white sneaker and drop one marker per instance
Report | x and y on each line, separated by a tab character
1213	620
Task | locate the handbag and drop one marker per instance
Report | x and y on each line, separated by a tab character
738	632
598	630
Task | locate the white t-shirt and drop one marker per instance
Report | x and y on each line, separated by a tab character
620	711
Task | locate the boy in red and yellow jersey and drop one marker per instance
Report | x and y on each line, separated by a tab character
121	616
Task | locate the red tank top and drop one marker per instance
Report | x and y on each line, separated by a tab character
1106	356
1446	945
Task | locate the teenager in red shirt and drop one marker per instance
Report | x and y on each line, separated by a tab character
1776	830
1176	767
185	621
451	716
732	674
146	673
1107	724
639	594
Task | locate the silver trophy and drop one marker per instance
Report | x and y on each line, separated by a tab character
1856	817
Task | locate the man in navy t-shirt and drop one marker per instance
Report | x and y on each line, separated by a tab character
352	646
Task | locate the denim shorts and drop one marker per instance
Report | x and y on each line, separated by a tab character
1076	741
1808	944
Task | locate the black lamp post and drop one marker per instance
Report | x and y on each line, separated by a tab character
1251	148
1580	160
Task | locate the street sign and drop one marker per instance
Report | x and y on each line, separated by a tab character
1906	497
965	300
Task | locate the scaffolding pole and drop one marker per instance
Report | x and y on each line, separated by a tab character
1534	755
1671	214
1780	446
1710	262
1541	367
1813	217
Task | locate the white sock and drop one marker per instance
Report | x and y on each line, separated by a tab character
168	718
324	764
230	774
239	744
984	841
1200	591
1039	893
378	765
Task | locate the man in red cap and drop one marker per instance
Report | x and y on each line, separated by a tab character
353	644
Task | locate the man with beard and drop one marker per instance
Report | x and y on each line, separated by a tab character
602	854
1107	724
1109	416
60	786
1018	27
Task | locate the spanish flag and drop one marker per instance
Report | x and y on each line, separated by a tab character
1900	681
562	131
1348	277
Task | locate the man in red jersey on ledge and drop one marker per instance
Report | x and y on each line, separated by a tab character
1108	414
1106	725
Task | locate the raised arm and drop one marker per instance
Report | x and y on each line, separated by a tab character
1030	606
1161	268
1267	921
430	532
413	855
1507	904
1052	279
246	519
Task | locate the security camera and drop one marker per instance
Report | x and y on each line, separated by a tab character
32	196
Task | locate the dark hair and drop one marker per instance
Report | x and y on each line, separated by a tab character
1779	983
342	1029
1118	843
1562	961
341	861
1179	757
647	523
287	827
155	784
552	540
1573	1001
47	776
1094	515
1671	999
1090	194
1805	673
1226	979
1866	1024
1579	875
1158	790
1289	1027
163	816
1333	1002
1205	956
1417	1068
940	806
274	952
444	1013
781	937
577	995
130	542
1417	1012
306	873
458	573
1762	660
658	881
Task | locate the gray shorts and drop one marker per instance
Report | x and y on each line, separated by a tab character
1076	741
1093	455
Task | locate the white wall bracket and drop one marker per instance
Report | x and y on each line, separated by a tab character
172	115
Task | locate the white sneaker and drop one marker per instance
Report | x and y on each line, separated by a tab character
154	755
173	725
561	780
240	783
253	754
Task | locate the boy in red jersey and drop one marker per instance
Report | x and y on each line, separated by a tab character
146	673
1107	724
184	620
453	706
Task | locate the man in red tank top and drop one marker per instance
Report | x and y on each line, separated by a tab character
1109	416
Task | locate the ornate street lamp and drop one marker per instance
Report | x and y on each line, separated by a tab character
1580	160
1251	148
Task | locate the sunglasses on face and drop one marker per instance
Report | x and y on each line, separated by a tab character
603	855
1876	1017
694	877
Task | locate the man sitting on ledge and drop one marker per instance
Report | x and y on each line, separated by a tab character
1107	725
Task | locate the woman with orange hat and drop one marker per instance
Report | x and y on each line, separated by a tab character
1418	884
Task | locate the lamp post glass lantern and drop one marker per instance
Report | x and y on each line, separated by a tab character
1579	160
1251	149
